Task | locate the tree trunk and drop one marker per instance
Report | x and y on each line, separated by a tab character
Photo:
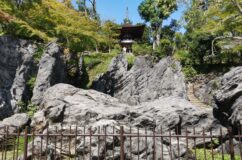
236	3
85	7
154	40
154	44
94	8
96	46
157	39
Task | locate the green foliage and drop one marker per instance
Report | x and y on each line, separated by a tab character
117	47
214	31
165	48
169	31
1	30
142	49
173	66
50	20
130	59
217	156
111	32
88	8
21	141
31	109
91	63
155	11
103	60
22	106
189	71
31	82
183	56
38	53
28	108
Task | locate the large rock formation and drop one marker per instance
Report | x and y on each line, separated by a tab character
20	91
51	71
228	98
147	80
13	124
205	86
5	105
17	120
16	66
67	105
151	95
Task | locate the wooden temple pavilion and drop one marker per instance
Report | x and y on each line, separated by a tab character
129	34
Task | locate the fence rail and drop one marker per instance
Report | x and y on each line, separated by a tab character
124	143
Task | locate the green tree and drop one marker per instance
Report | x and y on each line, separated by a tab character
50	20
89	8
111	32
155	11
212	26
82	6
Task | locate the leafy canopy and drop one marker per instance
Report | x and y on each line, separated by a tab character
155	11
49	20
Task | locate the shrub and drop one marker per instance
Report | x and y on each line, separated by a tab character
38	53
189	71
31	82
164	49
117	47
27	107
22	106
142	49
183	56
130	58
31	109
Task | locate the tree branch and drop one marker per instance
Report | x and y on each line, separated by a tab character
223	37
236	3
91	2
5	17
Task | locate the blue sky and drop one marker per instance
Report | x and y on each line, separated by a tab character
116	10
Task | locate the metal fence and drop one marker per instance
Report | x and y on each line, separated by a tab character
124	143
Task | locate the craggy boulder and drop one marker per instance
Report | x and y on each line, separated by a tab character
51	71
146	81
68	106
16	68
228	98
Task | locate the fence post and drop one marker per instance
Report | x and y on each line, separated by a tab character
231	145
122	143
26	143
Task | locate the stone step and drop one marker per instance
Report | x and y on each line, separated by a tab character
193	99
